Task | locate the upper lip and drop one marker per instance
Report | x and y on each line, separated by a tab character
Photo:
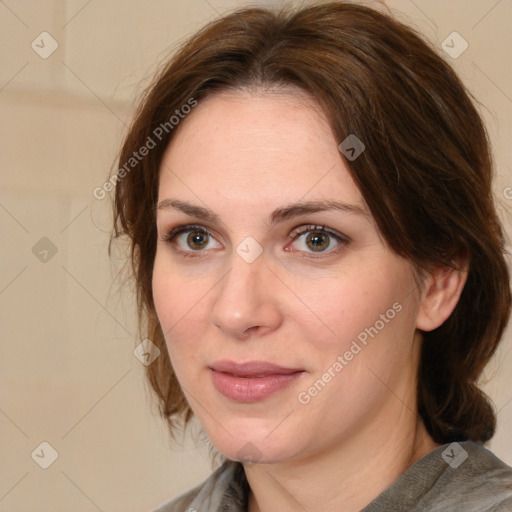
252	368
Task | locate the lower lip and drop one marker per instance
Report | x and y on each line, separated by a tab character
251	389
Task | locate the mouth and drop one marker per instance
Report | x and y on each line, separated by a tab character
252	381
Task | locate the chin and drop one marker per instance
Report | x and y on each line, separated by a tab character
257	448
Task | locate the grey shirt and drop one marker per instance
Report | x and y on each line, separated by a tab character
462	477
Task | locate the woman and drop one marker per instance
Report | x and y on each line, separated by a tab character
308	197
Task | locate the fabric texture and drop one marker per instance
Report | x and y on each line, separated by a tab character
456	477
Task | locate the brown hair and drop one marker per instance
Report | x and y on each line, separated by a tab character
426	175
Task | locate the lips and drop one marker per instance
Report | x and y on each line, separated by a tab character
252	381
252	368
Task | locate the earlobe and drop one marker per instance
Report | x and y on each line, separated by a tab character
441	293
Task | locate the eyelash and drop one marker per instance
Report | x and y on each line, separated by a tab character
294	235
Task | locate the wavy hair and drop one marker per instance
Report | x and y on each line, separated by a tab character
426	176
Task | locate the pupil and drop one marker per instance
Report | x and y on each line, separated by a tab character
194	240
317	240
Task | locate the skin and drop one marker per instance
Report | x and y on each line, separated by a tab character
242	155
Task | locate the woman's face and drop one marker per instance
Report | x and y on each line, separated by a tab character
263	269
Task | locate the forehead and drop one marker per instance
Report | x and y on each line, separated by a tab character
262	146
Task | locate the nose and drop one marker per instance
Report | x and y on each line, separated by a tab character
246	301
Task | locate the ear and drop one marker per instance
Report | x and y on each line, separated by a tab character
440	295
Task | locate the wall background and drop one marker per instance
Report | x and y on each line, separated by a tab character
68	373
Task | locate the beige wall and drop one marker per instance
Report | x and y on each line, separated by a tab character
69	377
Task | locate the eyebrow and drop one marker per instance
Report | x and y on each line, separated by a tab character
278	215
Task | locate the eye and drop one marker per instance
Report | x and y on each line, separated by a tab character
318	239
192	240
189	239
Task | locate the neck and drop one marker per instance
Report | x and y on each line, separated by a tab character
347	477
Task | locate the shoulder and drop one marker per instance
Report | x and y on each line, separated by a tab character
182	502
210	491
470	477
468	460
453	477
483	478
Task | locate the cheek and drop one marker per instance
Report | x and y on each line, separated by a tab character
166	303
180	307
346	305
370	316
176	296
